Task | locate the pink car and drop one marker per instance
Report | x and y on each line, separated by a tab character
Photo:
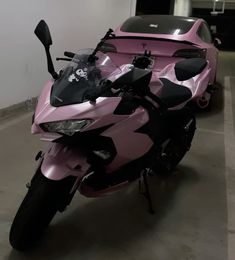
169	39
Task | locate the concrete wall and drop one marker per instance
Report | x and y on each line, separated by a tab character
74	24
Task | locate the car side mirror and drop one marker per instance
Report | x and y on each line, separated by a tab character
43	33
217	42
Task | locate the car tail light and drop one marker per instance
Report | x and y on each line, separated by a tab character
108	47
190	53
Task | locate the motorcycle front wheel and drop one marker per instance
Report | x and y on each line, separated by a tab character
36	211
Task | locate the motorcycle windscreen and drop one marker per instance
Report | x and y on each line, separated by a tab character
80	78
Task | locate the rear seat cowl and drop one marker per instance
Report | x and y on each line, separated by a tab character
189	68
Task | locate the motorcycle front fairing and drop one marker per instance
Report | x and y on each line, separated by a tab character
65	100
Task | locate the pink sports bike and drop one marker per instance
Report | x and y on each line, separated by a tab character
107	127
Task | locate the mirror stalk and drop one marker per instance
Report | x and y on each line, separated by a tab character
50	65
43	33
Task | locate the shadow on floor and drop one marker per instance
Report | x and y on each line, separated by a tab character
113	222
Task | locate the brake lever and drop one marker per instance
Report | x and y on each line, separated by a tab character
64	59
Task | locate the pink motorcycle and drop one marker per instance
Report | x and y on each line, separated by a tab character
107	126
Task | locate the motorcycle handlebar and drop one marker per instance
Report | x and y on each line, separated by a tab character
96	94
64	59
108	85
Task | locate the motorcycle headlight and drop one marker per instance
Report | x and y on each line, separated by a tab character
67	127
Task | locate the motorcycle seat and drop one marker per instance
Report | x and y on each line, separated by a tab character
189	68
173	94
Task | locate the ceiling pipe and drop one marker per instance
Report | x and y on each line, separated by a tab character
216	12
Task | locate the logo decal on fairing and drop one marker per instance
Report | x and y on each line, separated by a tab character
79	74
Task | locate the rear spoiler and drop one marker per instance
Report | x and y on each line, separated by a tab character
113	37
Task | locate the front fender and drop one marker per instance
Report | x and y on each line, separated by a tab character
60	161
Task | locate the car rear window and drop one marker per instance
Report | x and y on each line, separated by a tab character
158	24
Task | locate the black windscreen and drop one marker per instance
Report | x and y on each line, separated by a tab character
158	24
73	89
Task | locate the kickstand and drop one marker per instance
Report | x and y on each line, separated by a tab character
144	188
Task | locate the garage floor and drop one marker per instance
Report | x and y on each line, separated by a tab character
194	215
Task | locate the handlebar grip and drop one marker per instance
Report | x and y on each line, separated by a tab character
69	54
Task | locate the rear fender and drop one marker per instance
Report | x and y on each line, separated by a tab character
60	161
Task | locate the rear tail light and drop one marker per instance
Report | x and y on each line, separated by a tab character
108	47
190	53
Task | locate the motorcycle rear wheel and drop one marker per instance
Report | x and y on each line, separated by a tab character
36	211
174	150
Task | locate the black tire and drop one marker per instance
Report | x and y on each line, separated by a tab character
176	146
38	208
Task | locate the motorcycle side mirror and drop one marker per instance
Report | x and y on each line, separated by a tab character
217	42
43	33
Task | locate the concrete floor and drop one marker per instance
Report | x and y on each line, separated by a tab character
193	218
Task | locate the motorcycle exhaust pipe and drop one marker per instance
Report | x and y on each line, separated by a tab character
204	101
